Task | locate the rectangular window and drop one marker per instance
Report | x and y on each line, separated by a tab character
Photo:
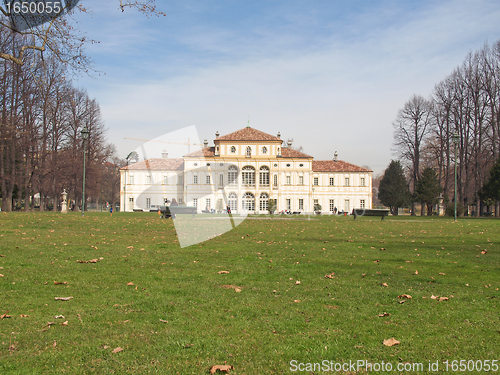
221	181
195	179
195	202
288	180
180	179
207	179
179	200
346	205
207	203
148	179
301	204
332	181
316	181
131	179
362	181
288	204
301	180
332	205
131	200
165	180
346	181
362	203
148	203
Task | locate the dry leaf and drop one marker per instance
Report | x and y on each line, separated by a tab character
65	323
130	284
391	342
404	296
117	350
384	284
2	256
383	314
59	316
296	300
54	344
236	288
24	316
434	297
5	316
416	272
82	261
163	321
443	299
62	298
484	251
330	276
222	272
1	275
442	273
221	368
297	282
93	260
60	282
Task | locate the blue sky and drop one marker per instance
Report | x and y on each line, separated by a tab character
329	74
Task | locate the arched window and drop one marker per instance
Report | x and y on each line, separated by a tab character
275	182
263	202
249	151
233	150
248	202
232	176
264	150
264	176
248	176
232	202
221	181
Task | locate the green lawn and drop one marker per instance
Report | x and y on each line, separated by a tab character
274	306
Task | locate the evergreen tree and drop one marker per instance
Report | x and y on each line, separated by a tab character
428	189
491	189
393	191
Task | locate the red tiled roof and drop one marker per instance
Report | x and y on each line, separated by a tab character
208	151
336	166
291	153
158	164
248	134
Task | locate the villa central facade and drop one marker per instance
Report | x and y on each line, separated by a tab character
244	170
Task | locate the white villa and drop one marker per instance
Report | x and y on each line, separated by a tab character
244	170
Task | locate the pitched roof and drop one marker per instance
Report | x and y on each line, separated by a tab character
207	151
336	166
248	134
291	153
158	164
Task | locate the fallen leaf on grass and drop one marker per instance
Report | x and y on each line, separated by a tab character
222	272
59	316
12	348
60	282
296	300
93	260
117	350
65	323
405	296
130	284
384	284
391	342
24	316
484	251
5	316
163	321
330	276
236	288
416	272
1	275
297	282
434	297
54	344
442	273
383	314
221	368
63	298
2	256
443	299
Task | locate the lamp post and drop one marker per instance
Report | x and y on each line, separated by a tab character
85	135
455	139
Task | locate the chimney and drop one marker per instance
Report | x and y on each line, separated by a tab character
217	134
335	155
289	143
279	135
164	154
205	144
